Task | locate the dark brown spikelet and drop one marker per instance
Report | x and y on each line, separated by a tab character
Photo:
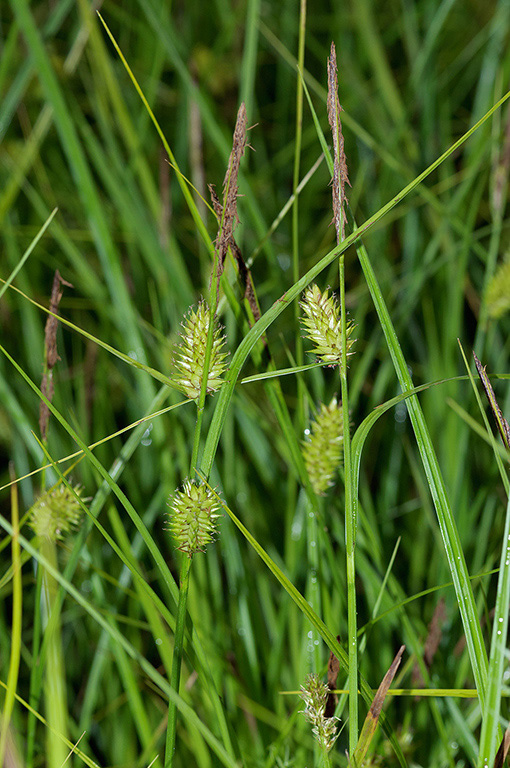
333	670
50	351
372	718
502	752
228	217
501	422
340	174
435	630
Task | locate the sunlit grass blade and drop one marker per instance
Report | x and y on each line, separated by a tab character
256	332
316	622
451	540
123	430
72	147
498	655
30	249
71	747
187	711
16	627
180	178
125	358
167	577
372	718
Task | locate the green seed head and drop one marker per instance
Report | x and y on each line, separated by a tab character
189	358
315	693
498	292
192	517
56	512
321	323
322	451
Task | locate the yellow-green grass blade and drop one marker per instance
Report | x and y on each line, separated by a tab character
316	622
449	533
288	297
116	636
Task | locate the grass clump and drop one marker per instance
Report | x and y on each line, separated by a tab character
135	646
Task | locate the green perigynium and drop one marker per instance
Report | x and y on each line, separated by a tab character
498	291
315	693
192	517
56	512
322	451
321	322
189	358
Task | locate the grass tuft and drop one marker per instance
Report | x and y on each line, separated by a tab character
387	522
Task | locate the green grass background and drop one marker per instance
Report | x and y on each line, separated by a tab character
413	78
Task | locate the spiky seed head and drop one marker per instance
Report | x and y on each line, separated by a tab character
189	357
56	512
192	517
322	325
498	291
322	451
315	693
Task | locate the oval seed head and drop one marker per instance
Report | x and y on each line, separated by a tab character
498	291
321	322
192	517
322	451
315	693
56	512
189	358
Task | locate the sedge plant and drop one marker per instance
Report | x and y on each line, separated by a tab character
414	479
199	364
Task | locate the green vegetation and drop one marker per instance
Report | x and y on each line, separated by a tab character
324	549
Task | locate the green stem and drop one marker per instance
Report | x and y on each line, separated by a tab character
300	418
198	431
177	659
498	655
35	671
297	162
15	650
213	304
55	691
350	528
314	595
